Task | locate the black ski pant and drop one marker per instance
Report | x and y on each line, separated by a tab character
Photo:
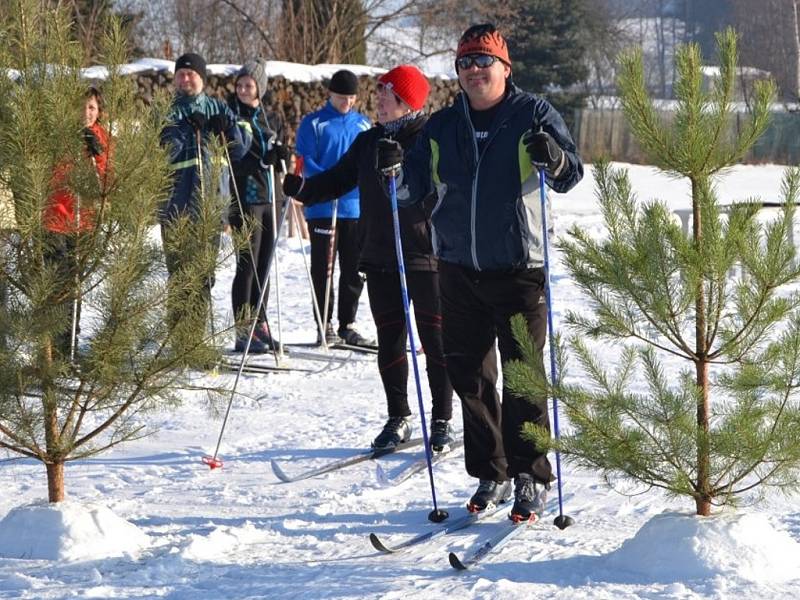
477	307
347	247
245	292
61	252
180	245
386	304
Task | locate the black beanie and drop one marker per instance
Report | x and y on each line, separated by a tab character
192	61
344	82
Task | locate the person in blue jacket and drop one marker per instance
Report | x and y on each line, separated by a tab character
322	139
193	117
482	155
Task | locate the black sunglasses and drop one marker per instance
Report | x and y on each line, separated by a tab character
482	61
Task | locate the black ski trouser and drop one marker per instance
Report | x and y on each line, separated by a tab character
179	247
350	282
245	292
386	304
476	308
62	252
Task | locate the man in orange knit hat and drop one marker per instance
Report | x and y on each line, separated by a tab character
483	155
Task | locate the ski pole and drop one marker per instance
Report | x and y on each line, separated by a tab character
271	174
198	141
214	461
314	303
253	258
73	341
330	267
562	521
436	515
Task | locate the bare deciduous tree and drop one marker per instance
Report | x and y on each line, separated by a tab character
311	32
770	40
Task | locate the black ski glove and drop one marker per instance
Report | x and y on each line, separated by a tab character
276	155
292	184
197	120
219	123
543	150
388	156
93	146
282	153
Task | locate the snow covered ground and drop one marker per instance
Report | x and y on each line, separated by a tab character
237	533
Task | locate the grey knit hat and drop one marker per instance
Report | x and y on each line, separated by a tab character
257	69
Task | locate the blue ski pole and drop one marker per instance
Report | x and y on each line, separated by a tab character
436	515
561	521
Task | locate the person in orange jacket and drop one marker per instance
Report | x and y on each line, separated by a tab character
60	215
66	219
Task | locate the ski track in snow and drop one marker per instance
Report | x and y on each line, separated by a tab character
237	532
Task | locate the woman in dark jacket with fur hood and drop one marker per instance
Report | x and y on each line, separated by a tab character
253	196
402	93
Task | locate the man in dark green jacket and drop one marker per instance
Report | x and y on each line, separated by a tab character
193	119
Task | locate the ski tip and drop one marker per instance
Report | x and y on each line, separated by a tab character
378	544
456	563
279	473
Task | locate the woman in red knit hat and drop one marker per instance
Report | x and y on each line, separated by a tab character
401	96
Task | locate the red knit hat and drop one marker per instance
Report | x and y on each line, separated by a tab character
409	84
483	39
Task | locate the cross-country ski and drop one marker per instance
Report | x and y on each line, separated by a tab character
508	531
340	464
457	524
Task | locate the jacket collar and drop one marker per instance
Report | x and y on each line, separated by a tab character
513	101
409	130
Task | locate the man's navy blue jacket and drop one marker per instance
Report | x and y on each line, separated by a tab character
488	214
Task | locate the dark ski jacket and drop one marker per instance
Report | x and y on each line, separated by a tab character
376	228
265	129
488	216
179	136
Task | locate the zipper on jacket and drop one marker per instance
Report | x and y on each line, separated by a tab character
478	158
474	196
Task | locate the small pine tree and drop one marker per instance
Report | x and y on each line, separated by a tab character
730	422
57	406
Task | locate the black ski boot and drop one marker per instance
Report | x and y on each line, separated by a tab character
489	493
441	435
530	498
351	337
396	431
264	335
330	336
256	345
